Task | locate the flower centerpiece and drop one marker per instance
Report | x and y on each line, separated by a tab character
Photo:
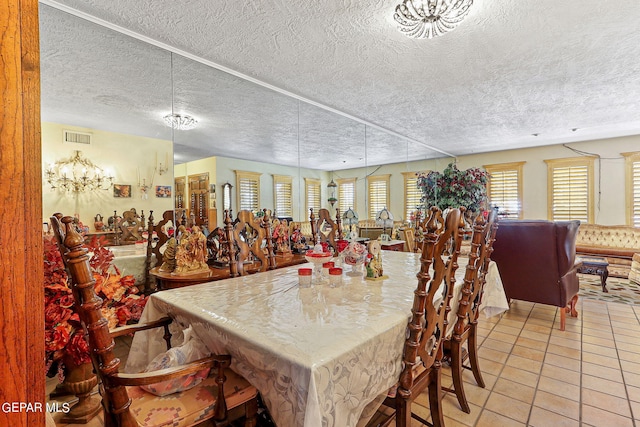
454	188
65	343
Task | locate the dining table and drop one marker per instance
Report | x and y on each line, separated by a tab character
320	356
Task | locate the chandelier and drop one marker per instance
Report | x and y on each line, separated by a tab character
422	19
180	121
77	174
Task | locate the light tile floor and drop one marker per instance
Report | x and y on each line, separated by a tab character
536	375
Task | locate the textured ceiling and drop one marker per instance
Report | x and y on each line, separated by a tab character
510	70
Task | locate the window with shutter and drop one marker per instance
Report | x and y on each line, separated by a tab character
377	194
505	188
632	178
570	189
313	195
346	194
283	195
412	194
248	185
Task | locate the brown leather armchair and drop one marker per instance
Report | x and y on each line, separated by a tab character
536	260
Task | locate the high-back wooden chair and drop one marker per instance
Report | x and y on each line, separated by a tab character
422	353
246	236
465	329
324	228
155	244
124	403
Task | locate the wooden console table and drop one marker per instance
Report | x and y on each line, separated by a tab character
393	245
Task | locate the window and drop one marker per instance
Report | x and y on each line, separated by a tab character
312	195
412	194
282	195
378	194
570	189
248	190
505	188
632	179
346	194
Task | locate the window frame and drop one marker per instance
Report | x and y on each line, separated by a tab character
586	161
251	176
373	179
503	167
285	180
631	207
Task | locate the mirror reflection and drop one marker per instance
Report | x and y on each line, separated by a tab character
113	96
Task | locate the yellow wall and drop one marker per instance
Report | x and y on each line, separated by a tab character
126	156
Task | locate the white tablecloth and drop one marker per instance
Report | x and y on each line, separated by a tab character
317	355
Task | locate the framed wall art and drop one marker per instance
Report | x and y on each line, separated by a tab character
163	191
121	190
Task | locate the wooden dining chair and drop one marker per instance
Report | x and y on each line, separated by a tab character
422	354
324	228
221	397
465	329
245	236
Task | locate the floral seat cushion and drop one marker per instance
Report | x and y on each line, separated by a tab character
188	407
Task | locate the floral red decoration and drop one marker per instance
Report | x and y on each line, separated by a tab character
64	336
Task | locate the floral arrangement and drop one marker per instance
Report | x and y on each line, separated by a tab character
454	188
64	336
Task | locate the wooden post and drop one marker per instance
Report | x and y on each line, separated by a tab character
21	263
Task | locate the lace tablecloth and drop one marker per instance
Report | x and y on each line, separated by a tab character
318	355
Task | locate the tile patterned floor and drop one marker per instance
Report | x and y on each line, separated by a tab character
536	375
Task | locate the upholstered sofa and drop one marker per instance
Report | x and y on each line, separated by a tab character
616	243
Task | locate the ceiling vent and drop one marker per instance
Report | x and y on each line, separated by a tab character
76	137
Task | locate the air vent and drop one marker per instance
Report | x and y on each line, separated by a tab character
76	137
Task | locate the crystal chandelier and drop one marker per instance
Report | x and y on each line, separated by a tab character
180	121
77	174
430	18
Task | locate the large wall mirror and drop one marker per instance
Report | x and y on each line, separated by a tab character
113	91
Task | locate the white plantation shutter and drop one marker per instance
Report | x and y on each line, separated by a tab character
412	194
313	195
632	178
635	185
378	194
283	194
570	190
505	188
346	194
248	185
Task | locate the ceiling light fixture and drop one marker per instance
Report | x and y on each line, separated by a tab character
180	121
423	19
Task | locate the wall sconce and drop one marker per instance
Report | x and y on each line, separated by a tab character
162	169
77	174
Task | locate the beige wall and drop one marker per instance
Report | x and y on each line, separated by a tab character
126	156
609	183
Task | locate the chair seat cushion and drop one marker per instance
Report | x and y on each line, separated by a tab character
188	407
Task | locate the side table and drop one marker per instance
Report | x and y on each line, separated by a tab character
393	245
595	265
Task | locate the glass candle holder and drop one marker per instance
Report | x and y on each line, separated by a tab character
304	277
335	276
325	269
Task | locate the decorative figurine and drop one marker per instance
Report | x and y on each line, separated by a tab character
98	222
281	236
374	261
191	252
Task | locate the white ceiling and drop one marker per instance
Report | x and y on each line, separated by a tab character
510	70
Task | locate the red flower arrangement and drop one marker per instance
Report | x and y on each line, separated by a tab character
64	336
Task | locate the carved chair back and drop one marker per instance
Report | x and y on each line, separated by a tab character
324	228
484	232
246	236
423	345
